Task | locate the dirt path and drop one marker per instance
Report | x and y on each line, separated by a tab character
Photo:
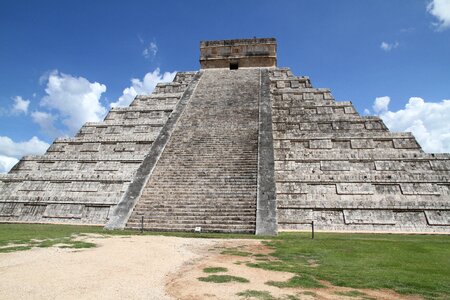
119	268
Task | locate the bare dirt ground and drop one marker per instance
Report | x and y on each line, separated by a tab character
149	267
119	268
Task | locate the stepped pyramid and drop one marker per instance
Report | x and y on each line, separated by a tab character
239	146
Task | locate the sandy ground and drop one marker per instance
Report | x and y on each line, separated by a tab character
119	268
150	267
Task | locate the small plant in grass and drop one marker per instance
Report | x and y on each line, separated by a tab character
235	252
14	248
304	281
215	270
353	293
223	279
259	255
262	295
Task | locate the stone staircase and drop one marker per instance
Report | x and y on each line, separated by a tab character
349	172
207	175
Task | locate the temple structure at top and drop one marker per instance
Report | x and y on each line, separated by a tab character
234	54
241	145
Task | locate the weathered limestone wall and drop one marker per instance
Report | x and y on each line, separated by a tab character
347	172
80	180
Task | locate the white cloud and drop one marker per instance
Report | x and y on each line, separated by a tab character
428	121
142	87
46	123
381	104
388	46
33	146
10	151
6	163
75	99
440	9
150	51
20	105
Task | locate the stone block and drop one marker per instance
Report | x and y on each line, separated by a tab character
403	165
325	189
90	147
280	84
324	110
420	189
341	144
406	143
362	143
376	217
320	144
438	217
9	209
338	111
308	96
440	165
387	189
295	84
95	214
295	216
34	186
57	147
291	188
73	211
383	144
349	110
355	188
334	165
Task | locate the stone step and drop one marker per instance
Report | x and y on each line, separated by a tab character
220	228
97	199
208	170
216	217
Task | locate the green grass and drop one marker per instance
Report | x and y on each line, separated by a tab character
354	293
304	281
215	270
235	252
223	279
18	237
408	264
264	295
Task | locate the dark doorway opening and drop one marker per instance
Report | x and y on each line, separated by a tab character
234	66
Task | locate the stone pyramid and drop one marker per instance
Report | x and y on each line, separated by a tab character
239	146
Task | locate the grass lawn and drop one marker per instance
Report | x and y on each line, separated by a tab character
408	264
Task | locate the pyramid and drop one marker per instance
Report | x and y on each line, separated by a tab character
239	146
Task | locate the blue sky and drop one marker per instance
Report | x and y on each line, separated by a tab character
65	62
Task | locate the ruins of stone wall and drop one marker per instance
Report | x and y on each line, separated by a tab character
80	180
